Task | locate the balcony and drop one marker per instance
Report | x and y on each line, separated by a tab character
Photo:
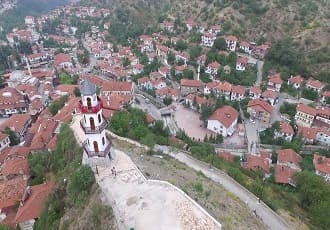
97	129
91	109
99	153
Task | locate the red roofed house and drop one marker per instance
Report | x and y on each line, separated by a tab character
323	136
168	92
4	141
117	87
12	102
289	157
270	96
308	134
208	39
260	109
315	85
255	92
261	161
145	83
32	205
191	86
323	116
237	93
193	100
305	115
275	82
11	192
286	131
296	81
241	63
212	69
285	175
325	98
245	46
224	89
15	166
322	166
19	123
44	131
223	121
62	60
231	42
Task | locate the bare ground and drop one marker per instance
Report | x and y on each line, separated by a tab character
231	212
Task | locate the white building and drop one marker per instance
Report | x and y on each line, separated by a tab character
208	39
223	121
93	123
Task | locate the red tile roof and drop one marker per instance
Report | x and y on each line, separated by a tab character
226	115
296	80
167	92
315	84
143	80
11	191
261	103
231	38
288	156
65	88
275	78
284	174
285	127
226	155
214	65
238	89
65	113
16	122
15	166
306	109
200	100
117	86
34	204
255	90
269	94
225	86
61	58
191	83
308	133
43	131
258	162
322	163
11	98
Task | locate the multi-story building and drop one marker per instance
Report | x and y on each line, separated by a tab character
305	115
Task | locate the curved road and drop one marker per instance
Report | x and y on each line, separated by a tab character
270	218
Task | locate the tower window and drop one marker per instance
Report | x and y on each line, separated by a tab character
103	141
99	117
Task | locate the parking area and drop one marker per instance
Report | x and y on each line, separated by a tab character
188	120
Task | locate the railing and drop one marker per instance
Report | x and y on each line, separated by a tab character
99	153
97	129
91	109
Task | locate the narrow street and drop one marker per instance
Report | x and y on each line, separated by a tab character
269	217
260	65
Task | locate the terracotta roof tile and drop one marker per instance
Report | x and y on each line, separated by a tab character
285	127
288	156
191	83
296	80
16	122
117	86
322	163
258	162
315	84
226	155
306	109
226	115
15	166
264	105
284	174
11	191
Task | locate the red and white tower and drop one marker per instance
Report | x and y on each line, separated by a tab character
93	123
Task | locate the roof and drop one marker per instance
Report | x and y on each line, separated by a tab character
150	118
191	83
16	122
11	191
66	88
255	89
285	127
199	100
261	103
143	80
61	58
323	112
11	98
242	60
284	174
167	92
288	156
226	115
231	38
306	109
226	155
15	166
117	86
308	133
275	78
296	80
34	204
269	94
65	113
315	84
322	163
238	89
214	65
225	86
261	161
43	131
87	88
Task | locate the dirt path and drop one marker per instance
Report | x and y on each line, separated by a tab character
231	212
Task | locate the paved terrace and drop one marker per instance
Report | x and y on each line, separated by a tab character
145	204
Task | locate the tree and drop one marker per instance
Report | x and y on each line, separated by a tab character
14	139
119	123
81	180
168	100
77	92
188	73
231	59
287	108
195	51
171	58
309	94
220	44
180	45
126	62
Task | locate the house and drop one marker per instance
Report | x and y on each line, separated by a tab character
241	63
315	85
210	87
191	86
296	81
255	92
159	83
201	60
286	131
289	157
224	89
184	56
245	47
32	205
167	25
308	134
323	136
42	131
223	121
260	109
164	71
190	24
261	161
322	117
168	92
15	166
262	50
180	69
285	175
137	69
117	87
11	192
4	141
305	115
275	82
270	96
12	102
322	166
237	93
212	69
19	123
325	99
208	39
215	29
194	100
62	60
231	42
144	83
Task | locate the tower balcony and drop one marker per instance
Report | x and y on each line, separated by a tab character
91	109
103	153
94	130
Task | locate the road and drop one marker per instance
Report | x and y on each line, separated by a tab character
148	107
260	65
269	217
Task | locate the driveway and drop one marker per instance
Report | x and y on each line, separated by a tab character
188	120
269	217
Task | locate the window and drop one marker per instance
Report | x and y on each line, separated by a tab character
99	117
103	141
